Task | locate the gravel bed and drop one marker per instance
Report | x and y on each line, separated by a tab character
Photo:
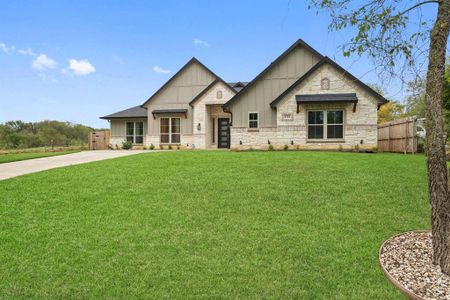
407	258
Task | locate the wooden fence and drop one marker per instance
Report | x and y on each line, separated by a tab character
398	136
99	140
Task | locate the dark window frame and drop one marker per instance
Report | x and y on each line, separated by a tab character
253	121
325	125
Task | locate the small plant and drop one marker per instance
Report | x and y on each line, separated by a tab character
251	148
270	147
356	148
170	147
161	147
375	148
178	147
297	147
127	145
151	147
340	148
286	148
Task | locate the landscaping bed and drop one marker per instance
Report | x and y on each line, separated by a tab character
406	261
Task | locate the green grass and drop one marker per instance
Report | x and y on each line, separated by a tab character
209	225
10	157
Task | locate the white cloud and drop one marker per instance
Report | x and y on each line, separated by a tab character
27	52
81	67
160	70
200	42
4	48
43	62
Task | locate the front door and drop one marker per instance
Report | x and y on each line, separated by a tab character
223	134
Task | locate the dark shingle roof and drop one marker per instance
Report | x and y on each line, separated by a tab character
323	98
238	86
133	112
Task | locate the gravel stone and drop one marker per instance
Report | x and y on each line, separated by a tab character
407	258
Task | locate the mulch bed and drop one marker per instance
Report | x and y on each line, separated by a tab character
406	261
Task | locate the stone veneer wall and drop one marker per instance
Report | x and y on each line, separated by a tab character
358	125
201	114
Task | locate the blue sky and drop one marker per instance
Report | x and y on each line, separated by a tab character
78	60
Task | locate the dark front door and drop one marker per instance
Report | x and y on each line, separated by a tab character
223	134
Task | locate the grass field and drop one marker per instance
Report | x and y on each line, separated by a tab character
209	225
10	157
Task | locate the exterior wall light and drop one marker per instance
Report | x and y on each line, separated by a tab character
361	142
240	142
292	142
199	126
268	142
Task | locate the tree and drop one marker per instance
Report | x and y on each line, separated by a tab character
388	34
390	111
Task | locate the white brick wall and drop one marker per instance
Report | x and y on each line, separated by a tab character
358	125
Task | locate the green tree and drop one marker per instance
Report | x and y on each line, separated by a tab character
390	111
387	32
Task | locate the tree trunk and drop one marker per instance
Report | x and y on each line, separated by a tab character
438	185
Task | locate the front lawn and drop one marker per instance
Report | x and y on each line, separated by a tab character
209	224
10	157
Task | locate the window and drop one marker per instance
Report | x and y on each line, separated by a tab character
219	94
135	132
325	84
329	127
170	130
253	120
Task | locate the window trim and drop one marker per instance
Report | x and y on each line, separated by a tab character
134	135
325	126
257	120
170	131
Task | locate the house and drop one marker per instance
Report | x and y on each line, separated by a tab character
302	99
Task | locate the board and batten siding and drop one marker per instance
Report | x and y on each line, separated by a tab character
259	96
177	95
119	130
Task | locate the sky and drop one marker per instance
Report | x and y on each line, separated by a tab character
79	60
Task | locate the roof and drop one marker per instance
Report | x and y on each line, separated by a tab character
133	112
340	69
210	86
169	111
327	98
191	61
238	86
299	42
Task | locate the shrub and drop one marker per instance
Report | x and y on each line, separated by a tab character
152	147
286	148
161	147
178	147
270	147
127	145
297	147
170	147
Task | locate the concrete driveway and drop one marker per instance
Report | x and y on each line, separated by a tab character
17	168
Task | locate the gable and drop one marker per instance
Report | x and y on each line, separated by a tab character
270	83
281	73
188	82
345	79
